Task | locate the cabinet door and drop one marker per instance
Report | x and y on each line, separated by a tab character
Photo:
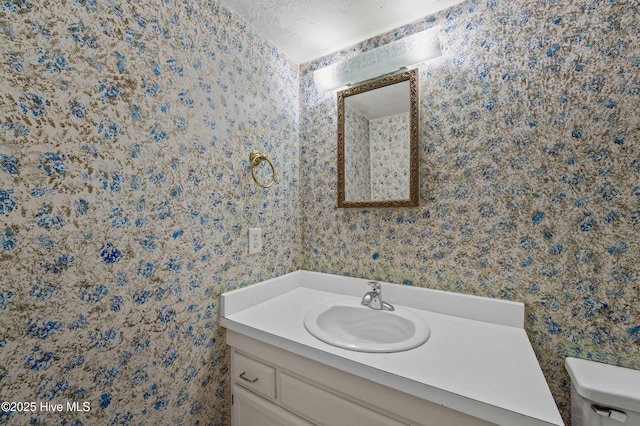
326	408
251	410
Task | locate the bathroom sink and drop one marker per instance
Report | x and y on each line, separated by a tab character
359	328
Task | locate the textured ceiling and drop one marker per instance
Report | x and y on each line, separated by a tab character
382	102
308	29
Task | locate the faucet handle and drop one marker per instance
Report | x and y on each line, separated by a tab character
375	286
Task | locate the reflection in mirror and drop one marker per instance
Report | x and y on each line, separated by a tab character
378	143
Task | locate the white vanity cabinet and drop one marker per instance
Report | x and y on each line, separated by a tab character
476	368
272	386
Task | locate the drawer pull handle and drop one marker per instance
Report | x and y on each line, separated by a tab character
247	380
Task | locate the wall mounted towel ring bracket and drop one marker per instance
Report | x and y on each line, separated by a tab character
256	158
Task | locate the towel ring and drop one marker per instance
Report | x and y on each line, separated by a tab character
256	159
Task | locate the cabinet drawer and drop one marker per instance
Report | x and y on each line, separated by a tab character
325	408
254	375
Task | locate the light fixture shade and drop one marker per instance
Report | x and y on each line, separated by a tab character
405	52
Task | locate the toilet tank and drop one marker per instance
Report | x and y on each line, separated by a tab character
602	394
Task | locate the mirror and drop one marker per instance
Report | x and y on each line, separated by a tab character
378	142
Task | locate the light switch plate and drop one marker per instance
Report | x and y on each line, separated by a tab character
255	240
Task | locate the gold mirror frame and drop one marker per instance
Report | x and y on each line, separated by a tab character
413	200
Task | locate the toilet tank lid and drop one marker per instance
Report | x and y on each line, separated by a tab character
605	384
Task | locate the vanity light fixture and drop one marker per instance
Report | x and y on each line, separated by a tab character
402	53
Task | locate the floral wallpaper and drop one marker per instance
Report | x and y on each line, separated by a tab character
529	175
125	192
374	154
357	155
125	201
389	138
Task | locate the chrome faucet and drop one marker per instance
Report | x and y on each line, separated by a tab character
373	299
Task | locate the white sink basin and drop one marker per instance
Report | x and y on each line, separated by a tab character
360	328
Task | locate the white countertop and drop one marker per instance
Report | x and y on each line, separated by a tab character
478	359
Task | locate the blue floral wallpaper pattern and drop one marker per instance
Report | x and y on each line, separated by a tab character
375	156
390	139
357	155
125	201
125	196
529	175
